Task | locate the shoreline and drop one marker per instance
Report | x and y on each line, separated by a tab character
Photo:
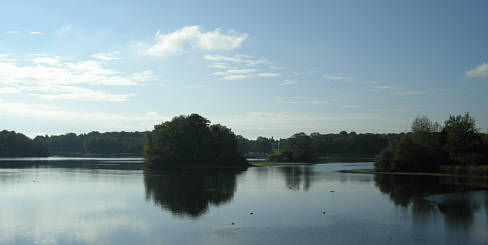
372	171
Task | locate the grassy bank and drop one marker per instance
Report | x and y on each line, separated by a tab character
372	171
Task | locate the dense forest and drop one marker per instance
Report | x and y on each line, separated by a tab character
14	144
456	147
94	144
132	144
343	143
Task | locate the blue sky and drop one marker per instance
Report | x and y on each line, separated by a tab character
270	68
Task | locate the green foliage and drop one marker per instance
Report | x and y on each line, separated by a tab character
463	141
298	148
428	146
191	140
350	143
14	144
128	143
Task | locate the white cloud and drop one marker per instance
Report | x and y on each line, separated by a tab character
236	77
234	67
7	58
290	121
288	82
223	58
234	71
9	90
480	71
192	37
107	56
49	70
245	59
98	120
76	93
236	74
143	76
13	32
410	93
46	60
52	78
337	78
383	87
219	65
269	74
36	33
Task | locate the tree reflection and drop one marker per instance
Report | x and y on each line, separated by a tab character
407	191
297	177
189	192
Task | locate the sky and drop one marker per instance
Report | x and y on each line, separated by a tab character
262	68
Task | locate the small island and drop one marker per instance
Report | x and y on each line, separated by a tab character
191	141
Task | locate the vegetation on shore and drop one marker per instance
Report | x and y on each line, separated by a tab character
297	148
372	171
429	146
14	144
191	141
94	144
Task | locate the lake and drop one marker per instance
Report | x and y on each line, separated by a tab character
113	201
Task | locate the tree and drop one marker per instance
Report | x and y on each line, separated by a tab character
463	140
262	145
14	144
428	146
191	140
298	148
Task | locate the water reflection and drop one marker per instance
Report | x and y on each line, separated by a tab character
427	195
189	192
297	177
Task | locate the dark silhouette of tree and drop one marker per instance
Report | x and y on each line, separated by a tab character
109	143
298	148
429	146
297	177
14	144
408	190
463	141
191	141
190	192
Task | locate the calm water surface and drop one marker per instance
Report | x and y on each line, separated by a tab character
113	201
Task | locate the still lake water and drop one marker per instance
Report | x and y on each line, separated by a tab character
113	201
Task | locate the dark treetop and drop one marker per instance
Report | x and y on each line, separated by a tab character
191	141
429	147
14	144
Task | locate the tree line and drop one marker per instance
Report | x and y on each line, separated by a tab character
341	144
428	146
456	146
132	144
14	144
94	143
